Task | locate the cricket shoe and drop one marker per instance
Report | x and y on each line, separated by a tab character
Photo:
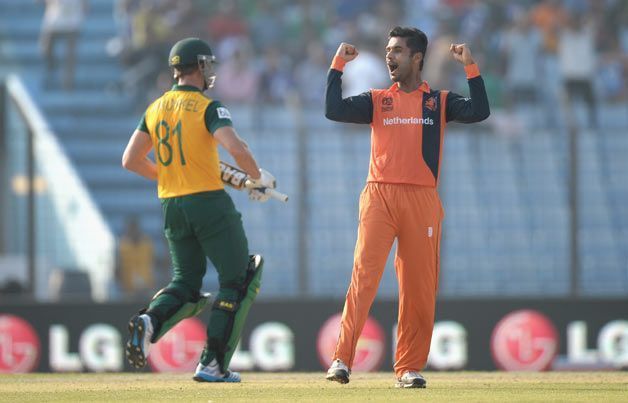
212	373
141	331
339	372
411	379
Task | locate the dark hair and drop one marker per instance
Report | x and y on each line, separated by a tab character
416	40
184	70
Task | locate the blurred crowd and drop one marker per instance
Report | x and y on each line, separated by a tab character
271	50
530	52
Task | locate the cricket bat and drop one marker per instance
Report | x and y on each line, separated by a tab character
238	179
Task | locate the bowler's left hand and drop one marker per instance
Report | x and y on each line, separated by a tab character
461	52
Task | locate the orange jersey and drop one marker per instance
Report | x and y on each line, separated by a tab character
407	135
406	128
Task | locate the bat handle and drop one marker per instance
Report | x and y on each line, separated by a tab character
269	192
276	195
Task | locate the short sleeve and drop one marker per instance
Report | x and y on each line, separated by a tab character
142	125
217	116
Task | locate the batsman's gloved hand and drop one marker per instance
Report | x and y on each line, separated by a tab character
266	180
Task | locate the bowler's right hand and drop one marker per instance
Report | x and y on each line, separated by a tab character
347	52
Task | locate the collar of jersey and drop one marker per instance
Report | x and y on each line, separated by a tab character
424	87
178	87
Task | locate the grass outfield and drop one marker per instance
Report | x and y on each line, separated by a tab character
312	387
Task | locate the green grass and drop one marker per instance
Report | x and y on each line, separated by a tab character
312	387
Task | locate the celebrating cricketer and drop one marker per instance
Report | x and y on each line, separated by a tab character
400	200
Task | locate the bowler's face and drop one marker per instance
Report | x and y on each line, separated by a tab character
398	59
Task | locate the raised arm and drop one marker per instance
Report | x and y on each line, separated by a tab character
472	109
356	109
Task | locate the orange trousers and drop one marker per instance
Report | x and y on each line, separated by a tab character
413	215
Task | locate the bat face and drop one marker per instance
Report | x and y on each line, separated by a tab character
239	179
232	176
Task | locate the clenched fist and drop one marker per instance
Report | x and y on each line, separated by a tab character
461	53
347	52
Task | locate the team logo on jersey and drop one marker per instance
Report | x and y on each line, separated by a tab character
223	113
430	104
387	104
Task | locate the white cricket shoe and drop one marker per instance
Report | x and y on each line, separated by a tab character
212	373
411	379
140	333
339	372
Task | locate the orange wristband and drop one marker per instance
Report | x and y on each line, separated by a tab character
338	63
472	71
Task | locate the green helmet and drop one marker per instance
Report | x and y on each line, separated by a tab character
194	52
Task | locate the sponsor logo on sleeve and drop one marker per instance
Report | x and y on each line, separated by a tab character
223	113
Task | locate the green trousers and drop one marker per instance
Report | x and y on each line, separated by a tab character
197	227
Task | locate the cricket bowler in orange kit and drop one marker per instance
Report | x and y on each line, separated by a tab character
400	199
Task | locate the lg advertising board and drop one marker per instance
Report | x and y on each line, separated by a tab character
521	335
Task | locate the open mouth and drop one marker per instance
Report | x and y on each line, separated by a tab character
392	67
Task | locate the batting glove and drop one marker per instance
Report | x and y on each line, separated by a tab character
266	180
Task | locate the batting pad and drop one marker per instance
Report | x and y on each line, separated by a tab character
253	283
187	310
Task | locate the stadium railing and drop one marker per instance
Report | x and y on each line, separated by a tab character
70	231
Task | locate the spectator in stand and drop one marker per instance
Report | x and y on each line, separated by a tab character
152	31
438	67
349	9
275	77
474	21
184	18
612	48
62	22
238	69
123	12
227	21
292	25
311	74
549	16
266	26
135	260
151	28
577	57
522	46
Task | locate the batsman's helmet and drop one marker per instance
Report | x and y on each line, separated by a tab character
194	52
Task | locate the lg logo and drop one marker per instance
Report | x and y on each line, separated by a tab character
180	349
19	345
524	341
369	352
